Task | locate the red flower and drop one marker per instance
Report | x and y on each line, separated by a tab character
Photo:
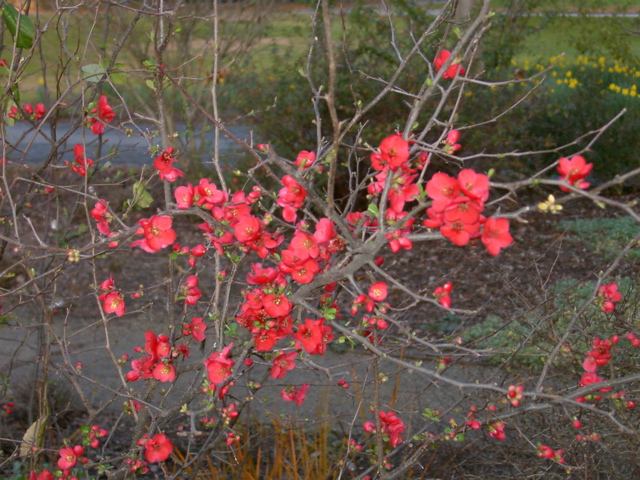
442	189
69	457
100	214
442	294
282	364
378	292
158	448
114	303
219	365
82	162
157	232
589	378
611	296
474	185
290	198
105	113
392	427
305	159
393	152
454	69
573	170
496	430
295	394
164	372
196	328
277	305
495	235
184	196
164	164
247	229
451	144
314	336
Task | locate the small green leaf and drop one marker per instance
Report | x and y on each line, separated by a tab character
373	210
94	72
330	313
8	121
149	84
141	198
21	23
119	76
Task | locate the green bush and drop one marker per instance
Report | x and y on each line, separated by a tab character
575	99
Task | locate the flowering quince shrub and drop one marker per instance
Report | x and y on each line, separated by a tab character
259	284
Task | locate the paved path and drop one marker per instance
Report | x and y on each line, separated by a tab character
118	148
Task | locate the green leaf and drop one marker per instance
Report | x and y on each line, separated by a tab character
8	121
330	313
373	210
119	77
94	72
141	198
21	23
149	84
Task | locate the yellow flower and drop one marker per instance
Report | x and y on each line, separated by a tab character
569	74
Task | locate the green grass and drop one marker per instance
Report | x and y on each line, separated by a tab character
551	38
605	236
585	5
528	338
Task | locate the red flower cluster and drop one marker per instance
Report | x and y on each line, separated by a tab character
157	232
456	210
313	336
189	290
282	364
496	430
100	214
157	364
599	355
609	296
43	475
442	294
195	328
514	394
377	293
219	365
391	425
451	144
34	114
305	160
95	433
265	311
295	394
69	457
392	153
82	162
164	164
454	69
291	197
112	301
546	452
573	170
105	115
